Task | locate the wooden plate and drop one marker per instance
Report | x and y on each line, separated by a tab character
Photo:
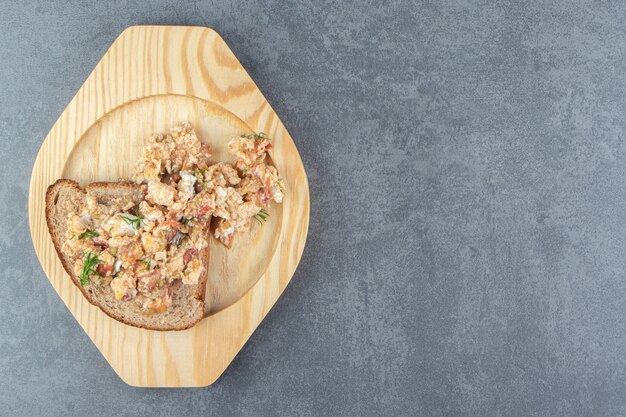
151	78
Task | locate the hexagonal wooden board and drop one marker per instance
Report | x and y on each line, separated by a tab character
151	78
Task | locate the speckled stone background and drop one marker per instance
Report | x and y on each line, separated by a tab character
467	168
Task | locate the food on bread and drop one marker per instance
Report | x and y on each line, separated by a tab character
139	250
106	258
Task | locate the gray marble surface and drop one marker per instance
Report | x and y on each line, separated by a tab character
467	168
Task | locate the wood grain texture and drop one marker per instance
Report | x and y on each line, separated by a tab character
151	78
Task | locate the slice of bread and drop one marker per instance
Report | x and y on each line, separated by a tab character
188	306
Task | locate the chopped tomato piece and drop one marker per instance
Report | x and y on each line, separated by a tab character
227	240
189	254
174	224
101	243
202	210
206	149
103	269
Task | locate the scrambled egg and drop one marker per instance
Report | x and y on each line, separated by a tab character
257	184
124	286
185	187
161	194
140	250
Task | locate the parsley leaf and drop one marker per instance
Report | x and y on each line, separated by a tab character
256	136
89	234
262	216
91	260
135	221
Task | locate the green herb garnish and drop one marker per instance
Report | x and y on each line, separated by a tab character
135	221
262	216
146	262
91	260
256	136
89	234
186	220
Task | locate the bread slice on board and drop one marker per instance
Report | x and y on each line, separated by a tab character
188	306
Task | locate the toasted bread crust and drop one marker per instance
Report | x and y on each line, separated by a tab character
107	184
51	199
